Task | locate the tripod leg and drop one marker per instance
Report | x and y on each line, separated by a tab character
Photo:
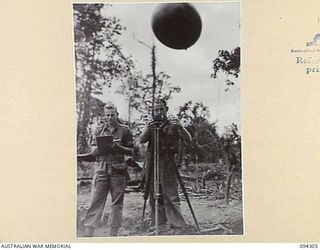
143	213
147	177
187	198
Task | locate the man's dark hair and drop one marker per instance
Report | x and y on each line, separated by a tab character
162	101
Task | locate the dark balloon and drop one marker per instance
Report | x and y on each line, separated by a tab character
176	25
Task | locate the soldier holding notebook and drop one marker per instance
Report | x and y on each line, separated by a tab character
111	141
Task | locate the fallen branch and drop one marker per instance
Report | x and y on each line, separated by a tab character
234	197
85	179
236	209
224	220
151	233
225	228
210	229
189	178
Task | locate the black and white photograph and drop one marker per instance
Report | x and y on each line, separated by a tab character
158	128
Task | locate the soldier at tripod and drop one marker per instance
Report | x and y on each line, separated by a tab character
164	134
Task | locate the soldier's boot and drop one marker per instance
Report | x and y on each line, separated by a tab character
88	232
114	232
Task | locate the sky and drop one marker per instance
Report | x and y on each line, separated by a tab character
190	69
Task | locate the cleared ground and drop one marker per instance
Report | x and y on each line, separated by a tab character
208	202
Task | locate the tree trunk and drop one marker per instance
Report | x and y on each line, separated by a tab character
229	174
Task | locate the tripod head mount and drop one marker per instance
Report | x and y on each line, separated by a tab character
155	124
158	121
158	117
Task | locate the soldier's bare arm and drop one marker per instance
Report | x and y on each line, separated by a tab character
183	133
144	137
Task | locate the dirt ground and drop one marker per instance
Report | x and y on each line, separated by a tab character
213	215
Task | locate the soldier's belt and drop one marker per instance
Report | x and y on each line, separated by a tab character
112	171
118	171
105	159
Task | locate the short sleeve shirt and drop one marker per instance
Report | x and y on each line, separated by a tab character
121	135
